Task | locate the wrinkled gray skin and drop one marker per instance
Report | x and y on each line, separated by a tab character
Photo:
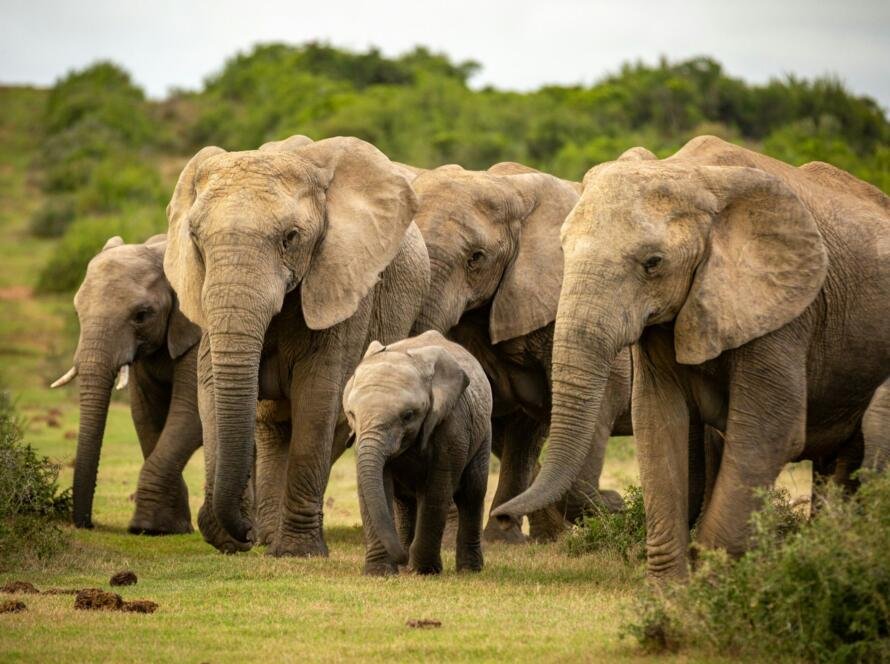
496	271
291	258
129	318
757	296
420	412
876	430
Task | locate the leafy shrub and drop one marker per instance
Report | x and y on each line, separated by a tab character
30	502
84	238
622	532
816	591
53	217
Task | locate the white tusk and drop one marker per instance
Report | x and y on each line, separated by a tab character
67	378
123	377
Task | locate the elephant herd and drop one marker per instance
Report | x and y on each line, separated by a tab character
729	310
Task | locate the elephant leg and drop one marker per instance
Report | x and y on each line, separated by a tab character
377	560
315	408
433	504
406	517
520	439
210	529
470	500
661	431
765	427
273	434
162	503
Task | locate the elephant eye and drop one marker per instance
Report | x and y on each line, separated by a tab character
289	238
651	264
407	416
142	315
475	259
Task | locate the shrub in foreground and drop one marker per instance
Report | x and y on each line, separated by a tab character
622	532
30	503
817	591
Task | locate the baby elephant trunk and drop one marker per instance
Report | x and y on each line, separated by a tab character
371	459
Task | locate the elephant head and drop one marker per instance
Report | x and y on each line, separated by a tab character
492	238
393	402
246	229
722	253
126	310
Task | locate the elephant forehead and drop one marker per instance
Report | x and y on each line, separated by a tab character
261	172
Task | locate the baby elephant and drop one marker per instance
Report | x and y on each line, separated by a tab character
420	413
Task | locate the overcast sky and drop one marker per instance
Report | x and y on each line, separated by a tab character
520	43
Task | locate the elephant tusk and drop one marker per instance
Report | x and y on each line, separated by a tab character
123	377
67	378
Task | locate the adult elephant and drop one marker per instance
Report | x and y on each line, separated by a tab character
131	327
757	296
496	271
291	258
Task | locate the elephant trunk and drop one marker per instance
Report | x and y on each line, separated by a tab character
237	316
96	371
584	348
371	460
443	306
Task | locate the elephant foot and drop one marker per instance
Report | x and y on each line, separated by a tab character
299	545
470	561
159	520
427	569
147	526
381	569
215	535
546	525
505	534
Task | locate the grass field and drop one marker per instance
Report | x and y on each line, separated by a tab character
531	603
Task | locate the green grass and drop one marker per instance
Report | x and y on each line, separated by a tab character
530	603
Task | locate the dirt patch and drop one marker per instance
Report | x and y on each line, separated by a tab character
423	623
70	434
124	578
95	599
19	587
12	606
10	293
140	606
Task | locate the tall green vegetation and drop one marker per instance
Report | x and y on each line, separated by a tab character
95	159
815	591
30	503
103	138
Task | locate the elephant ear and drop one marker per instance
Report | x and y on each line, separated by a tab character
528	294
765	264
183	265
447	382
369	205
182	334
638	153
290	144
112	242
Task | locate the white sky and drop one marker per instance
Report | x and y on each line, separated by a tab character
520	43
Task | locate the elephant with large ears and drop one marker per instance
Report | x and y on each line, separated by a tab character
420	412
496	272
756	295
291	258
131	327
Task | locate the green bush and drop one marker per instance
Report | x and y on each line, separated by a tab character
30	503
54	216
84	238
622	532
815	591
